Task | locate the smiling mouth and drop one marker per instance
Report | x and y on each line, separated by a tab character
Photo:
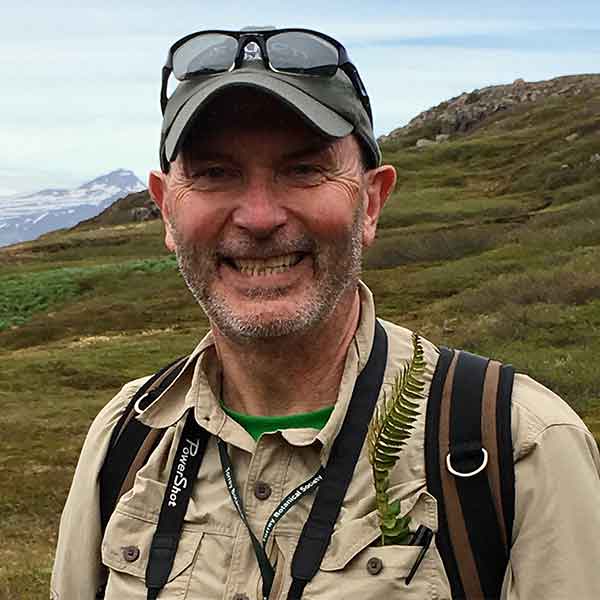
265	266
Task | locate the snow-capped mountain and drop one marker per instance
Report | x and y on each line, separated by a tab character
27	216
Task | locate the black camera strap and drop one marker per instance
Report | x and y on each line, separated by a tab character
343	457
184	472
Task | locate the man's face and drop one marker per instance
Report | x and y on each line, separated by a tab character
266	219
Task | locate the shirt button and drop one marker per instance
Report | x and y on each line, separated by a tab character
262	490
240	597
131	553
374	565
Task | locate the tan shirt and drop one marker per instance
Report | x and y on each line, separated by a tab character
556	538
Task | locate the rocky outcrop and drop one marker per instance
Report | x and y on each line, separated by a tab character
132	208
464	112
145	213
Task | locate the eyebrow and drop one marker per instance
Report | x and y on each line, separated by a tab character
202	155
311	150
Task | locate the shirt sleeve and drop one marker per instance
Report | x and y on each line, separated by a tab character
556	537
77	564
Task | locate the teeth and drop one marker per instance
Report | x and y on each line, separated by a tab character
276	264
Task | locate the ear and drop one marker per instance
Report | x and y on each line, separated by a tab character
157	186
380	184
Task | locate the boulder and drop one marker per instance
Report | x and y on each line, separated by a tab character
442	137
144	213
424	142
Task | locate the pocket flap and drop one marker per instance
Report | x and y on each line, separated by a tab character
394	561
358	535
347	541
127	540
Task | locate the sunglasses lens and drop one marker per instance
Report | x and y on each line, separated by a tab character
204	54
299	52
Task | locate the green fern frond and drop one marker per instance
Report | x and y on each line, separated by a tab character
390	429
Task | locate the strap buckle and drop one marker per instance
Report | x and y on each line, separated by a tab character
480	468
147	398
137	406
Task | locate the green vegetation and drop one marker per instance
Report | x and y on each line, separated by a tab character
37	291
489	244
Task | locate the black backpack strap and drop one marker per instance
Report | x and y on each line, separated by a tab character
470	470
345	451
132	442
505	449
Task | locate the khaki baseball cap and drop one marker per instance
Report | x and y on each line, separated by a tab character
328	104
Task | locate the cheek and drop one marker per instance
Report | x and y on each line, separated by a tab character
330	224
330	216
197	221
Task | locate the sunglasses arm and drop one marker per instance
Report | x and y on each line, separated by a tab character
166	71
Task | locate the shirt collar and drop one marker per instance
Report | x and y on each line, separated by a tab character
198	386
180	395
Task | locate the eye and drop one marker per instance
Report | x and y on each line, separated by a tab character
210	175
303	174
212	172
305	169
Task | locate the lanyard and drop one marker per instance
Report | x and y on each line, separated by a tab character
266	569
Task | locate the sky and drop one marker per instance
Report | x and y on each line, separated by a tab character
80	80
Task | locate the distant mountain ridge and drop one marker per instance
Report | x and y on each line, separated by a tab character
465	112
26	216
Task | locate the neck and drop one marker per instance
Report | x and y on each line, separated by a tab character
288	376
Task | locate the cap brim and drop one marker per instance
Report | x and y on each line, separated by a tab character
328	122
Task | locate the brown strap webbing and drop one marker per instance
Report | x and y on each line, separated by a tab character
490	441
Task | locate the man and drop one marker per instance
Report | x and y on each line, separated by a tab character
271	187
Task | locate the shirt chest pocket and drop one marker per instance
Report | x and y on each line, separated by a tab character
125	551
357	569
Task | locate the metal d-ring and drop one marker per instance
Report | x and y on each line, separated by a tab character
136	406
472	473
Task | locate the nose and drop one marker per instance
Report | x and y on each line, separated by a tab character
259	210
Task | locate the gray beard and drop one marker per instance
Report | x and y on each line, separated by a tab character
337	270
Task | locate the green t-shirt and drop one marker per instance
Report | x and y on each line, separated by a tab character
256	426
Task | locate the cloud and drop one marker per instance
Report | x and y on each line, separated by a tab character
80	91
546	40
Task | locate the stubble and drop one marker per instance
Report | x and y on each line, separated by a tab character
337	268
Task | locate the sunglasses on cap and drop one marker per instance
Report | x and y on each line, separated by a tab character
301	52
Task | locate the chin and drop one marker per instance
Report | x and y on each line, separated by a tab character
264	324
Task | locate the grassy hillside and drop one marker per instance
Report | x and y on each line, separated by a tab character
490	243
